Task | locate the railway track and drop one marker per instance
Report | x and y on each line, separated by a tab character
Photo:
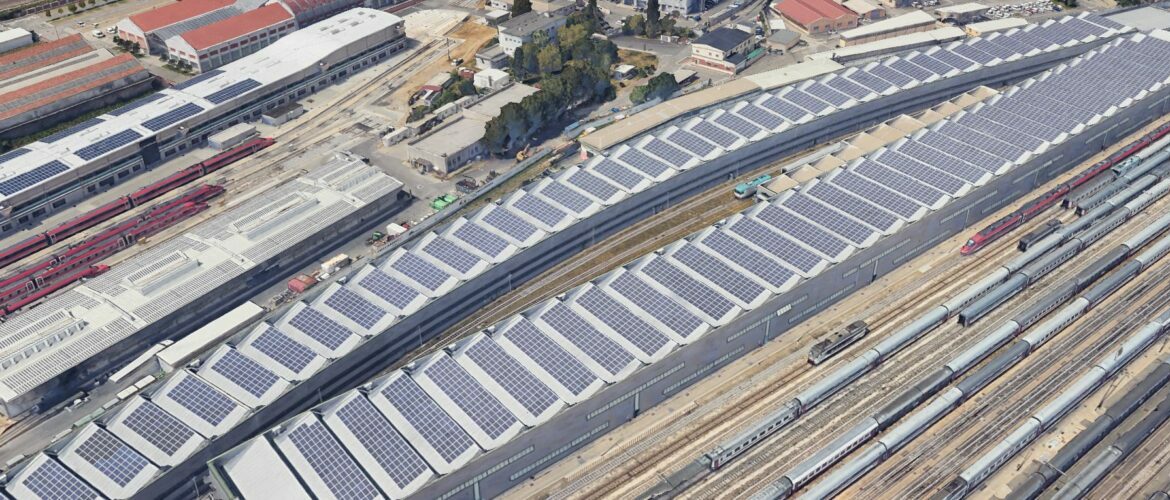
1145	470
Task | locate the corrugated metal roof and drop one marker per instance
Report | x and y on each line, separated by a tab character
806	12
179	11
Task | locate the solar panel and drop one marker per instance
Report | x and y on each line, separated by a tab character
910	69
1020	138
32	177
927	155
773	243
593	185
51	138
952	59
204	401
388	288
108	144
421	271
562	366
232	91
643	162
674	279
961	133
828	218
52	481
159	428
431	422
809	234
888	177
14	154
690	142
969	51
1011	120
173	116
111	457
869	80
714	134
664	309
847	87
448	253
877	194
539	209
320	328
479	404
245	372
820	91
806	101
593	343
392	453
354	307
865	211
671	154
621	175
481	239
784	108
565	197
513	377
888	74
509	224
737	125
283	349
719	273
919	172
933	65
618	318
197	79
976	156
999	51
751	260
144	101
760	117
332	464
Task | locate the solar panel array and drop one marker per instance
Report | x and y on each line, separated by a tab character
354	307
706	275
158	427
112	458
52	481
54	137
108	144
173	116
32	177
232	91
328	459
246	373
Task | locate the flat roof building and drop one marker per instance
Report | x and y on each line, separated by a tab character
962	13
15	38
310	11
895	26
888	46
865	10
816	16
724	49
519	30
458	142
222	42
995	25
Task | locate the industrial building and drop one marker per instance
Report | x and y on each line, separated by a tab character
995	25
962	13
816	16
865	10
893	45
14	38
68	166
159	293
519	30
458	142
346	333
488	412
904	24
151	29
49	83
724	49
222	42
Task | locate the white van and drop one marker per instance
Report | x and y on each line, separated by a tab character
98	34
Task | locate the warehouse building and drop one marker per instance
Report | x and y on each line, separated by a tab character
519	30
151	29
489	411
904	24
68	166
962	13
865	10
164	291
864	51
222	42
394	304
14	38
995	25
458	142
724	49
816	16
55	82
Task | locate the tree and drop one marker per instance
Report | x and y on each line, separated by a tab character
652	18
540	38
520	7
634	25
661	86
549	59
572	36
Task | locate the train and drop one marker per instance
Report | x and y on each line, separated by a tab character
748	189
1031	238
1001	227
137	198
836	343
86	273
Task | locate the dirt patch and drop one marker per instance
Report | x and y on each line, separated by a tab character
640	60
466	39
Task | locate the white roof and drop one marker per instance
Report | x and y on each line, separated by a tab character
859	6
218	329
963	8
258	471
904	21
117	134
13	34
994	25
891	44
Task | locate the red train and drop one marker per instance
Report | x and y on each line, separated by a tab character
137	198
1008	223
86	273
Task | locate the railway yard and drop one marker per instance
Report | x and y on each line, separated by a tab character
631	322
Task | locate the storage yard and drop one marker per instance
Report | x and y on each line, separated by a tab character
977	231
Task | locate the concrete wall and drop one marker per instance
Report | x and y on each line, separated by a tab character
385	349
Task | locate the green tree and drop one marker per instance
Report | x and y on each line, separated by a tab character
549	59
540	38
572	36
661	86
634	25
520	7
652	18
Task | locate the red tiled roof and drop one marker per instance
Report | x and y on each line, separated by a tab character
70	84
806	12
180	11
302	6
42	54
235	27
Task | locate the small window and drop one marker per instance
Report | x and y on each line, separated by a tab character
56	204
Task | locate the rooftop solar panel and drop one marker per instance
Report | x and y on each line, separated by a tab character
202	399
910	69
142	102
592	184
159	428
479	404
784	108
419	270
388	288
481	239
320	328
919	172
837	222
388	448
509	224
337	470
111	457
643	162
431	422
108	144
844	86
809	234
691	142
737	125
714	134
760	117
52	481
927	155
712	303
864	210
539	209
933	65
877	194
561	365
14	154
513	377
450	254
975	156
869	80
593	343
32	177
676	317
354	307
245	372
232	91
780	247
806	101
619	319
670	154
751	260
49	139
899	182
719	273
971	52
173	116
621	175
565	197
824	93
890	75
283	349
952	59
